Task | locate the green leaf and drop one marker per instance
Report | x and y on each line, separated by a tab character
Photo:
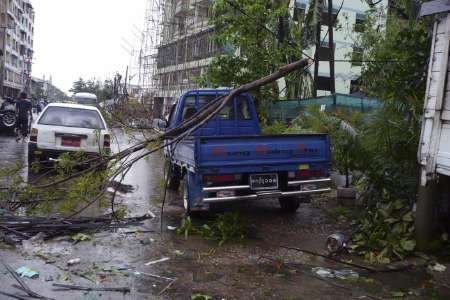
408	217
200	297
391	220
80	237
397	204
408	245
398	294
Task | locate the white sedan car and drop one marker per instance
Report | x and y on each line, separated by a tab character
62	128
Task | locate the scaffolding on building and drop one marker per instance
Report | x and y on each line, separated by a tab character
151	38
176	46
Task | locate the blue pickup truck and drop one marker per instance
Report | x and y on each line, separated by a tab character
229	160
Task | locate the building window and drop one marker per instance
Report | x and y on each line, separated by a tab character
357	56
355	86
324	51
323	83
324	18
359	23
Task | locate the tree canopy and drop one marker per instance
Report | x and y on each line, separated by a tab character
257	37
103	90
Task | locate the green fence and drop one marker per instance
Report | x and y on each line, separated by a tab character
286	110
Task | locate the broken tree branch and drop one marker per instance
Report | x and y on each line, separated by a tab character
64	287
23	286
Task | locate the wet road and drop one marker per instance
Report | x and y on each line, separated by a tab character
256	268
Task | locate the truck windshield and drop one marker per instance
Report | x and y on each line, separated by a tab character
227	113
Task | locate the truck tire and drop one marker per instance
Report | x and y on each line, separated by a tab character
31	159
290	204
425	220
172	177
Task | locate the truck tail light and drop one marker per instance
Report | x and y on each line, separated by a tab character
307	173
107	141
211	179
33	135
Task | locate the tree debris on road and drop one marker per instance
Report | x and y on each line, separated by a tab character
19	228
63	287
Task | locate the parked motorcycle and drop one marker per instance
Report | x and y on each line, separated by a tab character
7	113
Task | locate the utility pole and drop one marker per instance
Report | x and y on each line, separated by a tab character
331	47
316	58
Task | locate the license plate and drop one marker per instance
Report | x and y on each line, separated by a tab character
263	181
70	142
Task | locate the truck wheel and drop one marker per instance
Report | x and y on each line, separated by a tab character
289	204
172	177
185	194
31	159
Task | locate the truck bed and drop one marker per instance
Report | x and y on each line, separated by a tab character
228	154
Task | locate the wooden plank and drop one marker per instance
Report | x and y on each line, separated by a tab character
434	7
440	99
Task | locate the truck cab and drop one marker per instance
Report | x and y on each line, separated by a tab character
229	160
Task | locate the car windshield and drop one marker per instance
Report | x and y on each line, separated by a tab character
72	117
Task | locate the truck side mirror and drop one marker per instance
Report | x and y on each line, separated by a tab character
160	124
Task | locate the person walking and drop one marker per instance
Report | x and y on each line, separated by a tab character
24	111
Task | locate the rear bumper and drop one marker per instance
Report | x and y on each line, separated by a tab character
51	154
252	195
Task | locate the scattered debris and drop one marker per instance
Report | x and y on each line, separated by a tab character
336	242
200	297
138	273
64	287
64	277
151	214
167	287
80	237
73	261
371	270
343	274
157	261
120	187
21	228
27	272
437	267
22	285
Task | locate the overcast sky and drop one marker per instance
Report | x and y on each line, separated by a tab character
84	38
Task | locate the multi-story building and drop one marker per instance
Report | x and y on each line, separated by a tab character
348	56
187	49
16	46
44	89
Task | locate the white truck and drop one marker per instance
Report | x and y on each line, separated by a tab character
434	147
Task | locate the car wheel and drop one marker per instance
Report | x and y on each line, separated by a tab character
9	119
172	177
184	192
289	205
